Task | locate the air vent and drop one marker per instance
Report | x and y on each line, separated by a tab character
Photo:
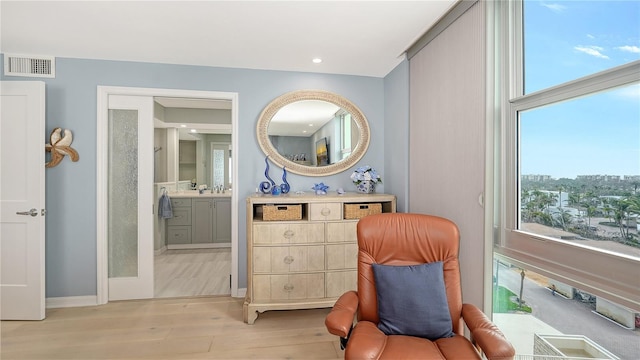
31	66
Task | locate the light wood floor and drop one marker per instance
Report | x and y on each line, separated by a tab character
182	273
188	328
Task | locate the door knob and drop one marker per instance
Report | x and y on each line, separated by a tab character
32	212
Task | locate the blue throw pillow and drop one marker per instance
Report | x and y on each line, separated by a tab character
412	300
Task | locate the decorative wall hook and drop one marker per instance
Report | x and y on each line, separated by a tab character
60	145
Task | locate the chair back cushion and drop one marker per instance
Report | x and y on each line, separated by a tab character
407	239
412	300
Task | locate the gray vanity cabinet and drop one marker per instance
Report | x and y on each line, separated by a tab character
222	216
199	222
202	221
179	226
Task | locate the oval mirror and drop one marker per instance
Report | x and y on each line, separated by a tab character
313	132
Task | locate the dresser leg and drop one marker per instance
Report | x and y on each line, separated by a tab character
252	315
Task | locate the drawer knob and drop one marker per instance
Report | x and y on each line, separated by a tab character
289	234
288	259
288	287
325	211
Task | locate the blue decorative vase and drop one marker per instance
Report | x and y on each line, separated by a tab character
366	187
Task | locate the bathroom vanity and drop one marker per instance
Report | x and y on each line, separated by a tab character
199	220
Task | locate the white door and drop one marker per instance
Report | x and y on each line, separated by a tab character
130	197
22	248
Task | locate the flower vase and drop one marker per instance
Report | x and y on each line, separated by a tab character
366	187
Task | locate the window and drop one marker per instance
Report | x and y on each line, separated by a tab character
567	40
570	156
345	134
579	166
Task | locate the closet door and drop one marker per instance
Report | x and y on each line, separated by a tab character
447	137
22	200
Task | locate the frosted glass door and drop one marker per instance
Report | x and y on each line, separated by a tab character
123	193
130	197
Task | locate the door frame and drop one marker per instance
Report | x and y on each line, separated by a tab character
102	253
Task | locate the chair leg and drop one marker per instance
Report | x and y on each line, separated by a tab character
343	341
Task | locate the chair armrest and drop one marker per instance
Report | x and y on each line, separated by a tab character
340	319
486	334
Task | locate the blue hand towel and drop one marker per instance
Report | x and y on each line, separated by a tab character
164	207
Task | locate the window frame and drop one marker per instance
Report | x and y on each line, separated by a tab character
616	275
345	136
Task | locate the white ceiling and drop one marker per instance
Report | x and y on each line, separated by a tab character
302	118
365	38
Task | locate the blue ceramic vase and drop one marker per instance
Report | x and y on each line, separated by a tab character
366	187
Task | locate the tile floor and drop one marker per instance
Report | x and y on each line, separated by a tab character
194	272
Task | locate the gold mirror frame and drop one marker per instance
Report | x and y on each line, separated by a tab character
356	115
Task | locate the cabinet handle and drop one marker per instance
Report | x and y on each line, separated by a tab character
289	234
325	211
288	259
288	287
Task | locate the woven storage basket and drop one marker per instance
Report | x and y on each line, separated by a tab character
281	212
357	211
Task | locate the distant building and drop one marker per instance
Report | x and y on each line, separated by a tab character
630	178
532	177
605	178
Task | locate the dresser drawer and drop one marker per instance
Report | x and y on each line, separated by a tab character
344	231
180	202
339	282
285	233
342	256
288	287
325	211
281	259
178	235
181	216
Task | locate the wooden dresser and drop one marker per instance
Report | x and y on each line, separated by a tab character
304	256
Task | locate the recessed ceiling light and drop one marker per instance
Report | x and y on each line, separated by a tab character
193	130
310	124
304	131
317	60
183	125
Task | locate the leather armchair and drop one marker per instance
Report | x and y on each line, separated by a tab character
411	239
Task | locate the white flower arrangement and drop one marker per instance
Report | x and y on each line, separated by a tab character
366	173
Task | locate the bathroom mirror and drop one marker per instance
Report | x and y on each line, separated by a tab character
313	132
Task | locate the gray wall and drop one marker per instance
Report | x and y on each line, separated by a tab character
71	187
293	145
396	131
447	138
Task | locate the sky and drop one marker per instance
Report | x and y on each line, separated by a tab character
598	134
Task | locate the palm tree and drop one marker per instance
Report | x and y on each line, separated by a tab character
565	219
588	203
620	215
574	199
560	188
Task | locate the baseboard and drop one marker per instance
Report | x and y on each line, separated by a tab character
92	300
71	301
241	293
160	251
198	246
